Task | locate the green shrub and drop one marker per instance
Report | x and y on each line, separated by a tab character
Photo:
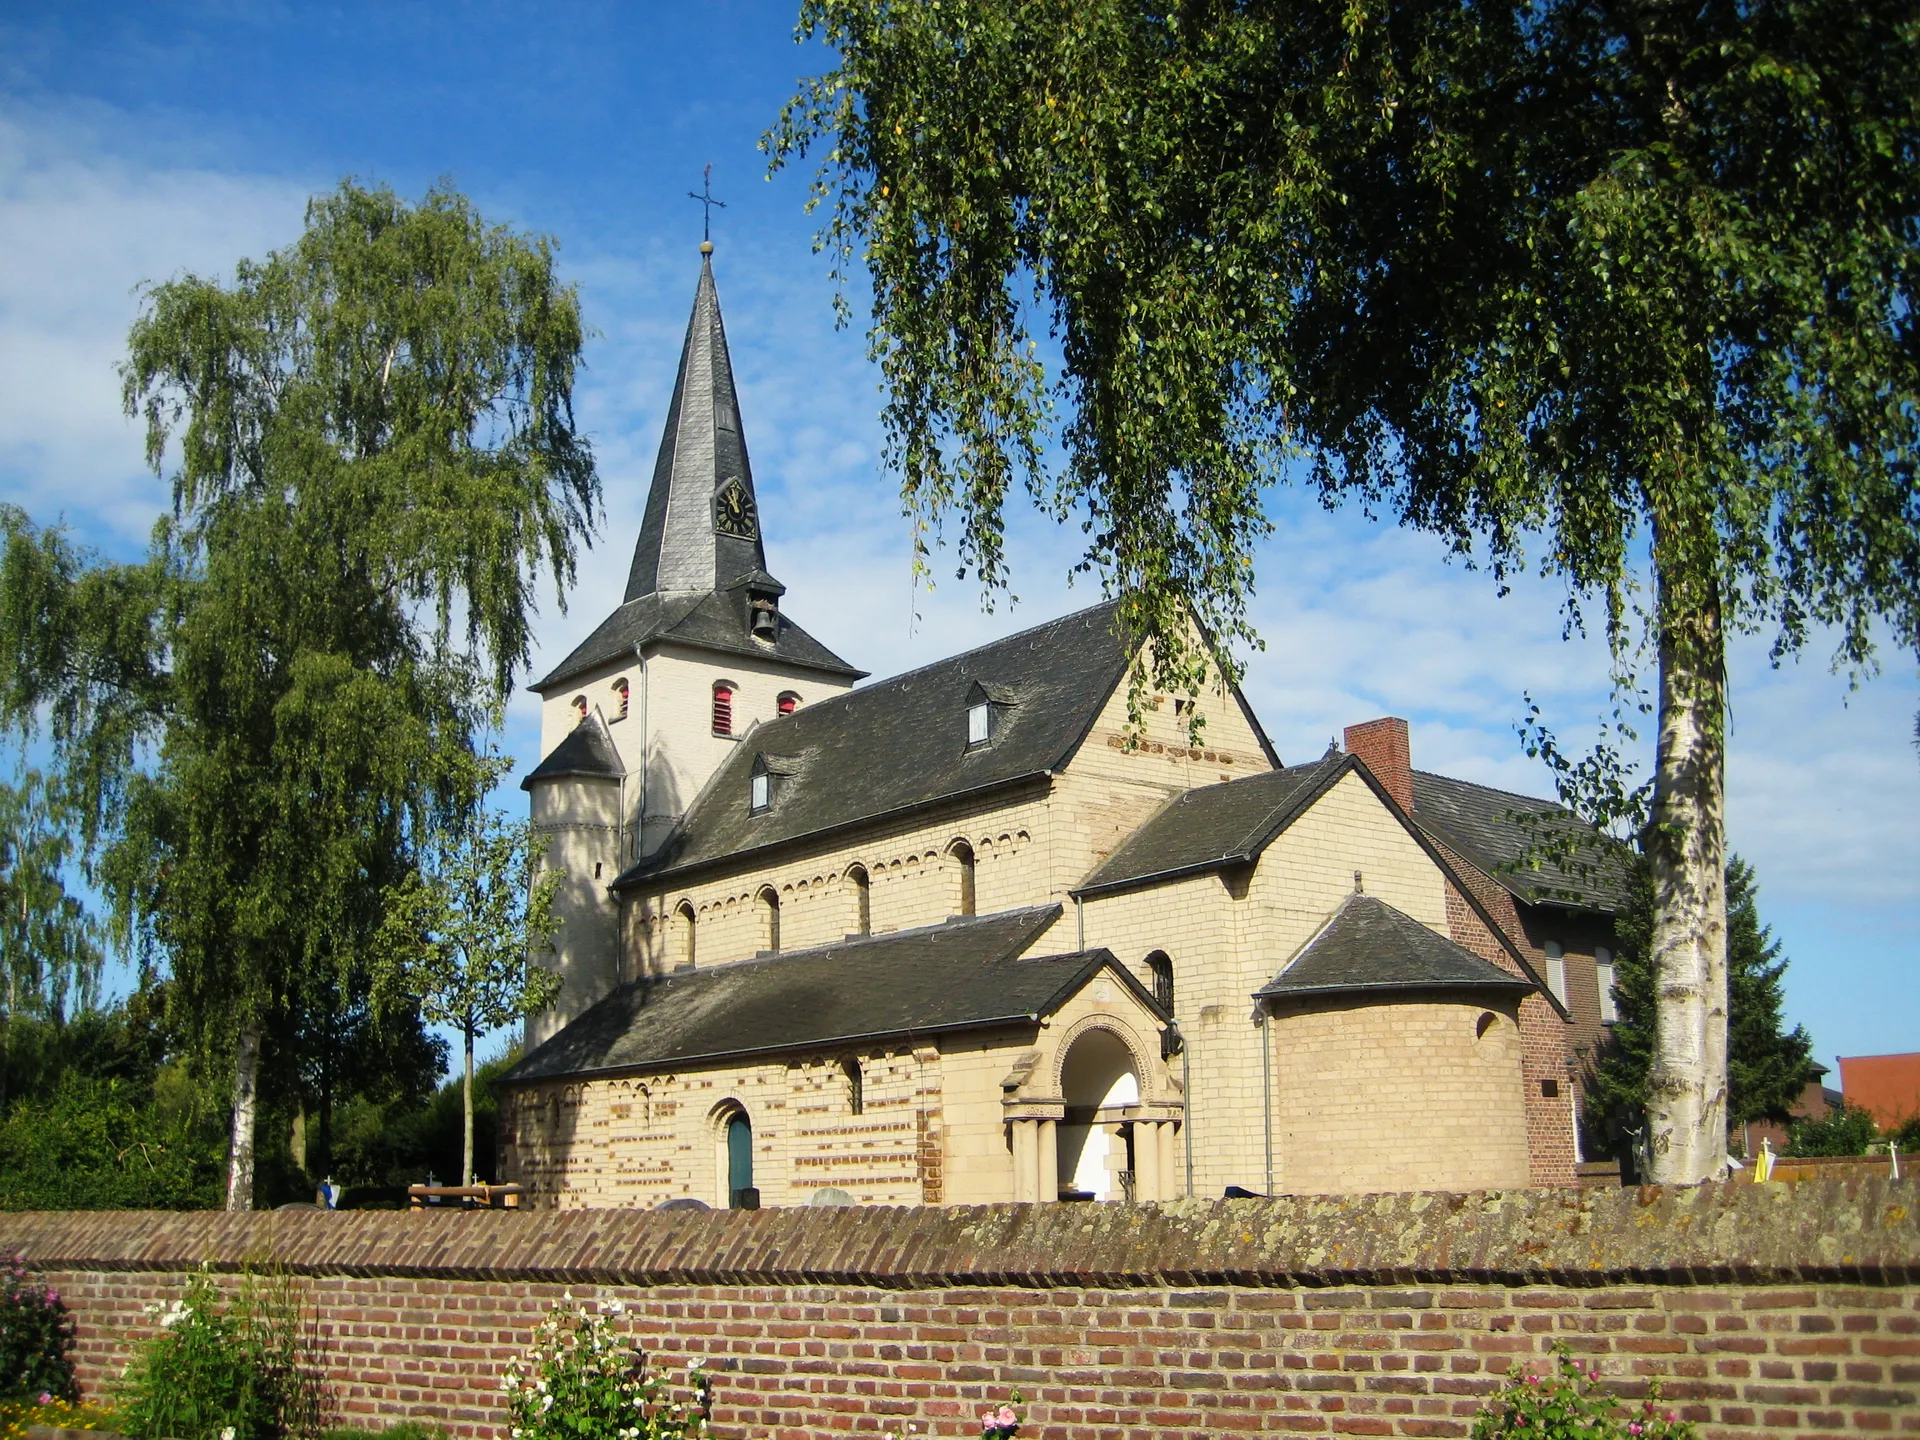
36	1339
1849	1130
583	1380
104	1145
1569	1404
247	1369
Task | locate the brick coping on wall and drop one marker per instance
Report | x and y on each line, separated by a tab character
1863	1230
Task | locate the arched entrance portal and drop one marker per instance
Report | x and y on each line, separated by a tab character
1097	1081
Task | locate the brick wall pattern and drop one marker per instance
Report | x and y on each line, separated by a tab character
1761	1310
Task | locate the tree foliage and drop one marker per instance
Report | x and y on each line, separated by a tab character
461	931
1574	287
376	462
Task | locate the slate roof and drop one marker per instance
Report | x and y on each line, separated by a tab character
965	974
714	620
1215	825
683	569
901	743
1498	831
703	448
587	750
1370	946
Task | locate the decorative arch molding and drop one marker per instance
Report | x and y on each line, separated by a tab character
1146	1066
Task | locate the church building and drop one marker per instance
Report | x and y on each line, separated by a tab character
969	934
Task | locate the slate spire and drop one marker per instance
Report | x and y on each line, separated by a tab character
701	531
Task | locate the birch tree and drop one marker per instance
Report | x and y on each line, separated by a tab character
373	459
1622	292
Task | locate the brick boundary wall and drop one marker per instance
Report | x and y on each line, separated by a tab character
1762	1309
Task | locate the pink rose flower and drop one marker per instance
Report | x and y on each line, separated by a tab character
1006	1417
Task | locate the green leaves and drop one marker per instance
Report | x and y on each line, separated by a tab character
259	724
1513	271
459	934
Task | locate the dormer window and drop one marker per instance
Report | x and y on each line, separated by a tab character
984	714
760	788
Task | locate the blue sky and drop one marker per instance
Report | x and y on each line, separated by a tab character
139	141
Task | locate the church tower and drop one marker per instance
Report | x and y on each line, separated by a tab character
699	652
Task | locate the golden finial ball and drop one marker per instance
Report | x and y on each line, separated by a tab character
706	247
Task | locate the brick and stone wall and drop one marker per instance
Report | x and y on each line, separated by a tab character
1762	1310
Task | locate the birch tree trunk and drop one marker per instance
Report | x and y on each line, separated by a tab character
246	1076
466	1097
1687	1088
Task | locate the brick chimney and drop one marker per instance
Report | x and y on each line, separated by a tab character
1383	748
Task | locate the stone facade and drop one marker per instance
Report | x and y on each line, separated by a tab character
1200	1087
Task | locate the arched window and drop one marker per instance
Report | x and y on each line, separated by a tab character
862	900
788	702
856	1085
1603	979
960	854
1161	968
723	707
683	929
579	708
621	694
769	920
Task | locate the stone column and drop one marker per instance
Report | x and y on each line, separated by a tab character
1172	1170
1146	1161
1049	1161
1026	1160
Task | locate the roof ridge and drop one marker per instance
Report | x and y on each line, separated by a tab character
858	941
1497	790
877	687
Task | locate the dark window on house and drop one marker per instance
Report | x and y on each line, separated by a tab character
722	708
1161	968
856	1085
579	708
621	694
788	703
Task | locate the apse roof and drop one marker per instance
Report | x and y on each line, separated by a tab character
1370	946
965	974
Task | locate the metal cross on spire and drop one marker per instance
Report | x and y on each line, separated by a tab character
705	197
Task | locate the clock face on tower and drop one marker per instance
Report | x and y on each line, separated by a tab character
733	511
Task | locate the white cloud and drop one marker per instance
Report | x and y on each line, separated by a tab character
81	230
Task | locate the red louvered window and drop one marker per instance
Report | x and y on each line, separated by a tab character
723	709
788	703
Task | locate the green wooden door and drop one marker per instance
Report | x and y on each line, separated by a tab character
739	1158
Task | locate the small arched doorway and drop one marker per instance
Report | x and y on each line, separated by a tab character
1095	1148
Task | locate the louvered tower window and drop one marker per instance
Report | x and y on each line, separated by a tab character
722	708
